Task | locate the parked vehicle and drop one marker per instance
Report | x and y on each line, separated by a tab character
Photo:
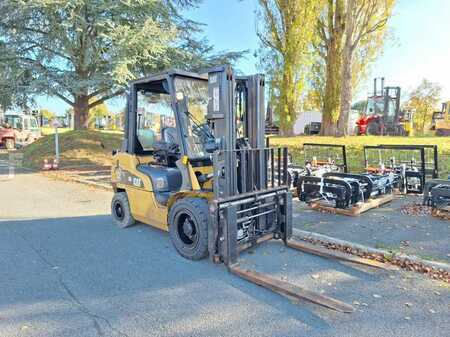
18	130
313	128
382	116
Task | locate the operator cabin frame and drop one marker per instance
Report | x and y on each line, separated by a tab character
152	189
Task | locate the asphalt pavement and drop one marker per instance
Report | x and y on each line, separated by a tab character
386	227
66	270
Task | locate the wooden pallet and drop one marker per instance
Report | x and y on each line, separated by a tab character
441	213
354	210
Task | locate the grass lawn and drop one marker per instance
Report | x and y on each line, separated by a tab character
354	147
81	147
89	147
50	131
46	130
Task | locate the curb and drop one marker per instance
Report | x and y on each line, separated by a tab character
438	266
91	183
61	176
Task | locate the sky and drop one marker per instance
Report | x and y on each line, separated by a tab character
420	47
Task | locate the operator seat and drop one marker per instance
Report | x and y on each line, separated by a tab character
170	135
165	180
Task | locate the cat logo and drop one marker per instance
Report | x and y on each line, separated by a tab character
137	182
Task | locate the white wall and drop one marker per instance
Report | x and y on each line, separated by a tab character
305	118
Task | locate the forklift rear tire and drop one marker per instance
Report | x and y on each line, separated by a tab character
121	211
188	227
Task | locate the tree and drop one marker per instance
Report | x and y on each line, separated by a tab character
286	35
365	21
14	91
79	50
330	29
47	114
424	100
99	112
352	33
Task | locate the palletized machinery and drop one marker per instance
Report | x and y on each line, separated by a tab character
329	180
411	165
193	163
319	159
437	195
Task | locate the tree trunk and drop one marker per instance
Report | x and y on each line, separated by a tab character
331	100
81	112
346	97
328	127
287	100
346	80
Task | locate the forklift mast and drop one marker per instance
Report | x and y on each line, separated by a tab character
236	117
387	95
247	207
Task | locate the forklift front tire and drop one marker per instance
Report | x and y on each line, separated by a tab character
121	211
188	227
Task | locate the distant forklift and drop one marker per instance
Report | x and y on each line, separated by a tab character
441	120
382	115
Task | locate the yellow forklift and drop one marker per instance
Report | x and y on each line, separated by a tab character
194	163
441	120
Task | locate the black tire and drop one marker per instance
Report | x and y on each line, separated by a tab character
10	144
374	129
121	211
306	131
188	227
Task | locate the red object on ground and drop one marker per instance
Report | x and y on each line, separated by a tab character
363	123
50	165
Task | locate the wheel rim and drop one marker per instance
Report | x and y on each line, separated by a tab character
187	230
118	211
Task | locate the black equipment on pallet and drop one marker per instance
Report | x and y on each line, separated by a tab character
437	193
412	164
319	159
320	155
340	187
344	189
